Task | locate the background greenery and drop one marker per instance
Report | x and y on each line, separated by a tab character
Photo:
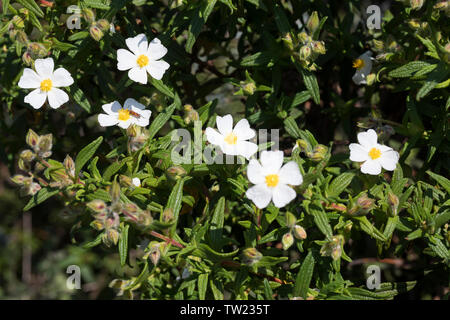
239	57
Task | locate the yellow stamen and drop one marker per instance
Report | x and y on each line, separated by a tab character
272	180
231	138
142	60
374	153
358	64
124	114
46	85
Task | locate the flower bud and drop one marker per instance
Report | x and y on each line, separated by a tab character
115	191
287	40
37	50
318	47
32	138
287	240
371	77
378	45
21	37
155	254
313	22
251	256
416	4
319	153
393	202
27	59
299	232
167	215
20	179
18	22
24	166
303	145
97	205
98	225
362	206
305	52
290	220
27	155
175	172
111	236
96	33
69	164
125	181
45	144
88	15
303	37
103	24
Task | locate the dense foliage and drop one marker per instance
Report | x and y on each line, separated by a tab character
118	203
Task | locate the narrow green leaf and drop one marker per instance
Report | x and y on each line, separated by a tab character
216	225
304	277
202	285
443	181
321	220
339	184
86	154
123	245
40	197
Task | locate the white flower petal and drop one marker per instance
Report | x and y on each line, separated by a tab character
368	139
260	195
125	124
61	78
157	68
282	195
137	74
29	79
136	182
142	121
57	97
156	50
389	159
366	57
213	137
242	130
125	60
358	153
246	148
107	120
255	172
111	108
134	44
290	174
272	161
371	167
359	78
36	98
225	124
44	67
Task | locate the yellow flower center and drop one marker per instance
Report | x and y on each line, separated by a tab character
124	114
358	64
46	85
142	60
374	153
231	138
272	180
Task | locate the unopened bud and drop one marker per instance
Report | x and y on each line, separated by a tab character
318	47
96	33
290	220
111	236
175	172
319	153
32	138
115	191
305	52
248	88
251	256
45	144
125	181
155	254
378	45
167	215
69	164
303	37
416	4
287	240
393	202
303	145
88	15
313	22
371	79
18	22
19	179
22	37
299	232
27	155
287	40
97	205
27	59
103	24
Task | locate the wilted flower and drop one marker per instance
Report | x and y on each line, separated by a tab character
374	155
272	180
132	112
363	66
232	141
46	84
143	58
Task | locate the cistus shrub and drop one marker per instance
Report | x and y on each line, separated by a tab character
236	149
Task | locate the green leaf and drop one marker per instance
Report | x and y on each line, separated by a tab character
408	69
175	199
300	98
268	290
161	87
304	277
443	181
78	95
257	60
5	4
96	4
281	20
216	224
321	220
32	6
197	23
311	84
206	252
123	245
440	249
367	227
86	154
114	168
339	184
163	117
202	285
40	197
93	243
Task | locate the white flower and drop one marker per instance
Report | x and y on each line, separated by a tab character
232	141
271	180
363	66
136	182
46	84
132	113
143	58
373	155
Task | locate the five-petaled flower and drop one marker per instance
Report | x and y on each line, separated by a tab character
232	141
132	112
363	66
143	57
271	180
373	155
45	83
